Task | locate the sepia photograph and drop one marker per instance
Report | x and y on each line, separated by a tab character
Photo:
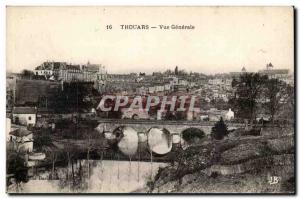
150	100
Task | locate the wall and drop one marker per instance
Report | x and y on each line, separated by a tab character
24	119
26	147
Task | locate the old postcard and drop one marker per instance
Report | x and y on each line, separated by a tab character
150	100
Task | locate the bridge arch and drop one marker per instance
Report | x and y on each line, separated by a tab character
159	140
126	139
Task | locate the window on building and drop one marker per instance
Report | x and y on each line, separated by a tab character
29	118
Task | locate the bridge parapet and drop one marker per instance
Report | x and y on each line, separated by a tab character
174	127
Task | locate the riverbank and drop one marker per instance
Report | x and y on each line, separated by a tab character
237	164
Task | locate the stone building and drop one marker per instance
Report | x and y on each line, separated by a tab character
24	115
71	72
21	140
281	74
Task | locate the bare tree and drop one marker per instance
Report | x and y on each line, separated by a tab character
247	93
53	157
277	94
94	142
70	151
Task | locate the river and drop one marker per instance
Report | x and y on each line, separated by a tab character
107	176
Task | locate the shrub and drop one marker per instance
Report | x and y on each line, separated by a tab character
266	151
15	165
192	134
219	130
42	139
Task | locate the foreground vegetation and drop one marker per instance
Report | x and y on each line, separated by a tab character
239	163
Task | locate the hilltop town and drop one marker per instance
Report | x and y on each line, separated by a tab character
38	89
52	118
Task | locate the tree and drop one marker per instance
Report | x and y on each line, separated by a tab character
247	94
53	158
27	74
234	82
94	142
75	97
182	73
42	139
219	130
176	70
291	102
192	135
277	94
15	165
70	152
168	72
90	145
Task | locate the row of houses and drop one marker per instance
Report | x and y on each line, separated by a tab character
174	84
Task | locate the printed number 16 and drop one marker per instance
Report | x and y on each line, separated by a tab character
108	26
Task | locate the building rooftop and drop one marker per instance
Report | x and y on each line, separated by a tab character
92	67
42	110
72	67
24	110
274	71
50	66
20	132
63	65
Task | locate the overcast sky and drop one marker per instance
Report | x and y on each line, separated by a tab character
224	39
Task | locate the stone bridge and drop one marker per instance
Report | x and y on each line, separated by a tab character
111	129
174	127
